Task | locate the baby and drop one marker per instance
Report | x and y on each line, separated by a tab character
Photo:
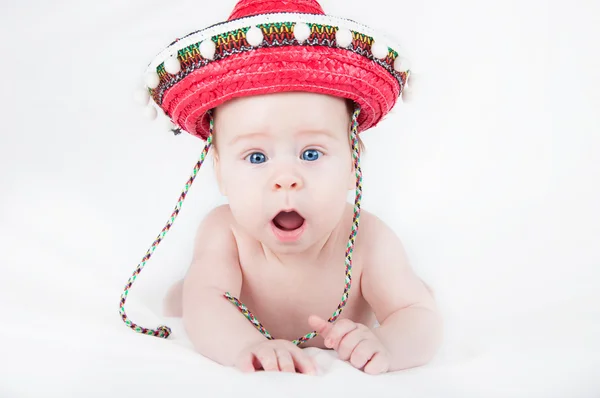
284	162
280	92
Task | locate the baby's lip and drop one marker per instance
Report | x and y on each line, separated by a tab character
287	210
288	236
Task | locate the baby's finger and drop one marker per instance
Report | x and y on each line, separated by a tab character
268	359
349	343
364	351
286	363
339	331
378	364
320	325
304	363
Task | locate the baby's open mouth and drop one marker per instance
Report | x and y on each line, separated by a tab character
288	220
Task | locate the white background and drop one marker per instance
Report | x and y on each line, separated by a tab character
491	178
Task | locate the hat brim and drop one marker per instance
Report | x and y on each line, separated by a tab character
279	64
319	70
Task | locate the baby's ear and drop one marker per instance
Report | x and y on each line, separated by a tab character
218	175
352	178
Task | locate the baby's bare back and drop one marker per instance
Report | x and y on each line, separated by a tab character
282	297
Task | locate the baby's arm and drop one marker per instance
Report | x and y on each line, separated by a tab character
215	327
405	308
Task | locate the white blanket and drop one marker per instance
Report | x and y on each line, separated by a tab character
63	337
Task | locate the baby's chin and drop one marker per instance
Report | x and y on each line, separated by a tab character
287	242
309	239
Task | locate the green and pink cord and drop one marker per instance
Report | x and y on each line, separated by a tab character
164	331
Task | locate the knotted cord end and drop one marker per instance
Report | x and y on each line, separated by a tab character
163	331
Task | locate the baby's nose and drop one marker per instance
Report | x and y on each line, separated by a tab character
287	182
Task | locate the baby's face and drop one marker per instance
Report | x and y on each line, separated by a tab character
283	152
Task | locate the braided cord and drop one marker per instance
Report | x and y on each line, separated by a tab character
246	312
349	247
162	331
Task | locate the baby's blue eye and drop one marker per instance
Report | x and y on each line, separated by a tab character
311	155
257	158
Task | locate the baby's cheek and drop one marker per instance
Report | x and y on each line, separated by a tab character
332	182
245	191
329	197
243	195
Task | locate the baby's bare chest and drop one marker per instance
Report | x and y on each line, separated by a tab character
283	298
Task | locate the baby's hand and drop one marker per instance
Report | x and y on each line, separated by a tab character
354	342
275	355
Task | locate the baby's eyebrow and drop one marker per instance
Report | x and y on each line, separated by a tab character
322	132
247	137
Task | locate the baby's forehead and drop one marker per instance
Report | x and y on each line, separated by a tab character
290	105
276	118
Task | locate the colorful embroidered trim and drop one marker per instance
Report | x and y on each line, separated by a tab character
278	34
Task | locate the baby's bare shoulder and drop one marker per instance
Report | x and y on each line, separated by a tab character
218	219
214	233
220	214
379	242
215	261
370	227
388	280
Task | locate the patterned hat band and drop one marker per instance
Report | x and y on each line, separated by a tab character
259	34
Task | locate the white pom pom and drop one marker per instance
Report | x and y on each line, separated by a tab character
141	96
172	65
207	49
343	37
301	32
401	64
379	49
150	112
152	80
255	36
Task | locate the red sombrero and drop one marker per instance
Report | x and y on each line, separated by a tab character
270	46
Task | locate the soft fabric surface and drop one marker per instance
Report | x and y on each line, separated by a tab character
490	179
65	339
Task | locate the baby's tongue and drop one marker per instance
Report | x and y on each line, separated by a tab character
289	221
